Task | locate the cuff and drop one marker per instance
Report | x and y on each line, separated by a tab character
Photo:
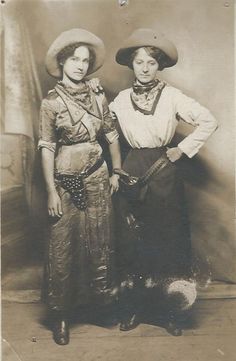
190	147
111	137
44	144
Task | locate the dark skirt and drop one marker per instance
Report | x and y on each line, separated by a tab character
153	234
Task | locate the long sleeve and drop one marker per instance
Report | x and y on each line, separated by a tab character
47	130
199	117
113	108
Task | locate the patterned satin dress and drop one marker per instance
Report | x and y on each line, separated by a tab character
79	267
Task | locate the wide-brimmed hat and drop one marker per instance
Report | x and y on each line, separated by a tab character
71	37
147	37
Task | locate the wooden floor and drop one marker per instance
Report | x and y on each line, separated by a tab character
210	337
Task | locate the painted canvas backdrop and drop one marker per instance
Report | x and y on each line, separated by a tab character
203	33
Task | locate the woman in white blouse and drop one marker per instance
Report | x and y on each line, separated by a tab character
154	247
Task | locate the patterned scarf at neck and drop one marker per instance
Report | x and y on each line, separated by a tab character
83	95
145	97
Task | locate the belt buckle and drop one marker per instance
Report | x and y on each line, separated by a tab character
84	173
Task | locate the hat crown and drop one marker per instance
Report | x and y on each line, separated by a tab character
147	37
146	32
76	35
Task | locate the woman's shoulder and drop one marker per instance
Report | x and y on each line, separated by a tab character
172	92
171	89
123	94
51	99
51	95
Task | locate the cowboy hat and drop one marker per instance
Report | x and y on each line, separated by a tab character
147	37
71	37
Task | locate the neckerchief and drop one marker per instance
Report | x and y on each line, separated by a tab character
145	97
83	96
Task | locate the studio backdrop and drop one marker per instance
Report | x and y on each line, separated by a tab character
203	33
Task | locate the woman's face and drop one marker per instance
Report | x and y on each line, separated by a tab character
76	66
145	67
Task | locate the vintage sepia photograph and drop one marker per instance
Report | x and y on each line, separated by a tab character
118	180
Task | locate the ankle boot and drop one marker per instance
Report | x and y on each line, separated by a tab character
129	309
173	327
61	329
129	321
129	316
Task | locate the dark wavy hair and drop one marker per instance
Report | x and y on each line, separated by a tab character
157	54
69	50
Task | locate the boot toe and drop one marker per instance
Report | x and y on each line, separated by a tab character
129	323
173	329
61	333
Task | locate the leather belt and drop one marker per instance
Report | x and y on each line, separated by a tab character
74	184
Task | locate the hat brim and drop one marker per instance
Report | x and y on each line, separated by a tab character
71	37
147	37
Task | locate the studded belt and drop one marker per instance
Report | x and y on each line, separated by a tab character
74	184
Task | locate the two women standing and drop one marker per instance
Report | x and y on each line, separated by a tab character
153	244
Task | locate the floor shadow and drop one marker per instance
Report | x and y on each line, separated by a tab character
187	320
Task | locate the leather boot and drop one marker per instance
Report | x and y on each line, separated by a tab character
130	311
129	316
61	330
129	321
173	327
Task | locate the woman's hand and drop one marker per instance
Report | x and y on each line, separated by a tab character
95	85
114	183
173	154
54	204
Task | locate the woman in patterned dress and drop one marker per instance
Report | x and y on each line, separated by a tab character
79	267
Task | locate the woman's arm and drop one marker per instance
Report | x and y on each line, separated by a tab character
114	149
197	115
54	201
111	136
47	143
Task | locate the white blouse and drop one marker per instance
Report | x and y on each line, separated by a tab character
150	131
